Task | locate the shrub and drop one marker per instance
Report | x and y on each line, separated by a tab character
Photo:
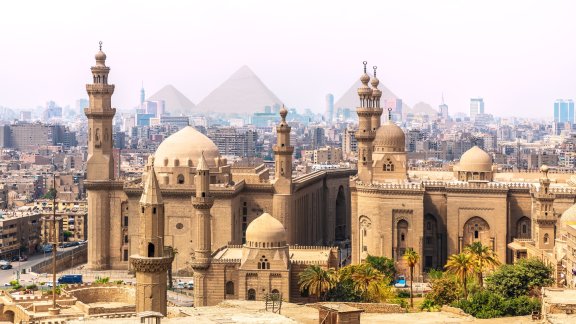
32	287
444	291
486	304
403	293
102	280
429	306
400	301
520	279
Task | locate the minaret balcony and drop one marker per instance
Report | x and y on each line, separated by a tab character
100	88
365	136
283	150
203	202
152	264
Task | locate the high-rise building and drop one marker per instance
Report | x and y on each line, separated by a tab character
142	96
329	115
52	111
81	104
443	109
564	111
476	107
234	141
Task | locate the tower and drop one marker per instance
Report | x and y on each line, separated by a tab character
142	96
100	163
202	203
365	134
376	109
281	201
545	221
152	262
329	114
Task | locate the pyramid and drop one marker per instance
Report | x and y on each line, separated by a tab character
350	98
242	93
423	108
176	103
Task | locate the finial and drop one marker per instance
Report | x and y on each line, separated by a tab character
545	170
100	45
374	67
364	65
283	113
390	113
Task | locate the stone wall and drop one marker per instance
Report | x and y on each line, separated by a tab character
368	307
64	260
96	294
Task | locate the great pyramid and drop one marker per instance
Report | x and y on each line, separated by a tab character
350	98
176	103
242	93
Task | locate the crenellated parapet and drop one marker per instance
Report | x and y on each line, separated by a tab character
151	264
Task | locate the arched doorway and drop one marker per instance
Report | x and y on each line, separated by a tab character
340	234
251	294
401	238
476	229
230	288
8	316
430	240
523	228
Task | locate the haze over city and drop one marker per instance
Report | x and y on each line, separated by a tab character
517	55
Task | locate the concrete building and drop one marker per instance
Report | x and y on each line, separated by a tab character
564	111
234	141
476	107
20	232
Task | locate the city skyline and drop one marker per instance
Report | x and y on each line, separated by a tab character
501	52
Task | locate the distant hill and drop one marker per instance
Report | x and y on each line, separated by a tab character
423	108
176	103
243	93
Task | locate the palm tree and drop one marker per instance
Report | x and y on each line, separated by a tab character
174	252
370	283
461	264
317	280
411	257
483	257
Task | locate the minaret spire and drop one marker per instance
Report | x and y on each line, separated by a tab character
376	95
365	134
202	259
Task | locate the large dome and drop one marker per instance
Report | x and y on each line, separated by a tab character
266	229
389	138
569	216
185	147
475	160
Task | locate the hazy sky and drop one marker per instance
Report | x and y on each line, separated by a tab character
518	55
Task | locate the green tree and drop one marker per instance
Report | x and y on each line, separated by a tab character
526	275
461	265
383	264
67	234
317	281
484	259
371	284
50	194
102	280
411	257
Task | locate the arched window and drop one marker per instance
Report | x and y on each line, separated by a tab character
150	250
180	179
125	238
275	291
263	264
230	288
251	294
546	237
389	166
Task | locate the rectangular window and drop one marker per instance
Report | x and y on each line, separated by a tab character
125	255
125	221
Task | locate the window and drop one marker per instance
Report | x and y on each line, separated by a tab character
524	229
251	294
428	226
125	238
154	210
428	240
476	234
263	264
125	255
402	237
180	179
150	250
125	221
546	237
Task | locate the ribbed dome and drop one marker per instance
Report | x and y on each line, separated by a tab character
185	148
389	138
266	229
569	216
475	160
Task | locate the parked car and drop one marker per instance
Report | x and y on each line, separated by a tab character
400	282
23	257
6	267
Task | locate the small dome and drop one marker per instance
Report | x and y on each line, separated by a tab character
100	56
283	112
186	144
475	160
266	229
568	217
389	138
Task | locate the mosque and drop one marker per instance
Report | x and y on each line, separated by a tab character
244	233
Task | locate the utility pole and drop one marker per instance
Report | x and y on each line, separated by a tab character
54	310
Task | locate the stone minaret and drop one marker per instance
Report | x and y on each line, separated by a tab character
544	223
100	164
151	263
203	250
281	201
376	109
365	134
